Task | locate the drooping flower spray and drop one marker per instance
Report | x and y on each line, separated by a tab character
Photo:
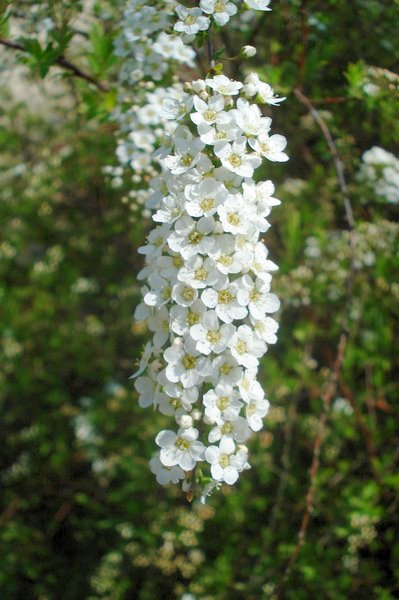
207	277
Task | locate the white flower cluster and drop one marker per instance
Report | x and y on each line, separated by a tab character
144	43
143	126
380	169
148	52
207	295
193	20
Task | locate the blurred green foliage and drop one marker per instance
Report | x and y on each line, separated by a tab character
81	515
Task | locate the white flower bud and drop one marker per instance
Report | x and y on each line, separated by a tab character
198	86
248	51
185	421
196	414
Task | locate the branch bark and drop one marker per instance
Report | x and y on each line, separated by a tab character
343	338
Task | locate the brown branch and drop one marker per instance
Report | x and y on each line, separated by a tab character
343	338
330	100
367	435
61	61
309	503
304	36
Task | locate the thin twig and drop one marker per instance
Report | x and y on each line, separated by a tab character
343	338
61	61
211	50
366	432
304	45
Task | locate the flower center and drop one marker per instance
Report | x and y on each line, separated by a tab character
209	115
225	297
195	237
220	135
264	147
233	219
166	293
207	204
251	408
187	160
225	369
201	274
226	428
189	361
235	160
213	336
192	318
241	347
159	241
224	460
182	444
222	402
254	295
178	262
188	294
260	326
225	260
175	402
189	20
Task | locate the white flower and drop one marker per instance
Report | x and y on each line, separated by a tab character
199	272
246	347
160	292
184	294
266	329
165	475
155	241
255	410
235	215
182	318
225	369
234	157
221	10
210	112
210	335
223	85
258	4
223	461
222	132
260	193
223	299
205	197
237	429
177	400
182	449
270	147
191	20
222	402
176	109
147	389
186	155
185	364
227	258
172	207
159	323
264	92
249	386
191	237
249	119
256	296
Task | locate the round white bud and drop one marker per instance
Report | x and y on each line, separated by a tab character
248	51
